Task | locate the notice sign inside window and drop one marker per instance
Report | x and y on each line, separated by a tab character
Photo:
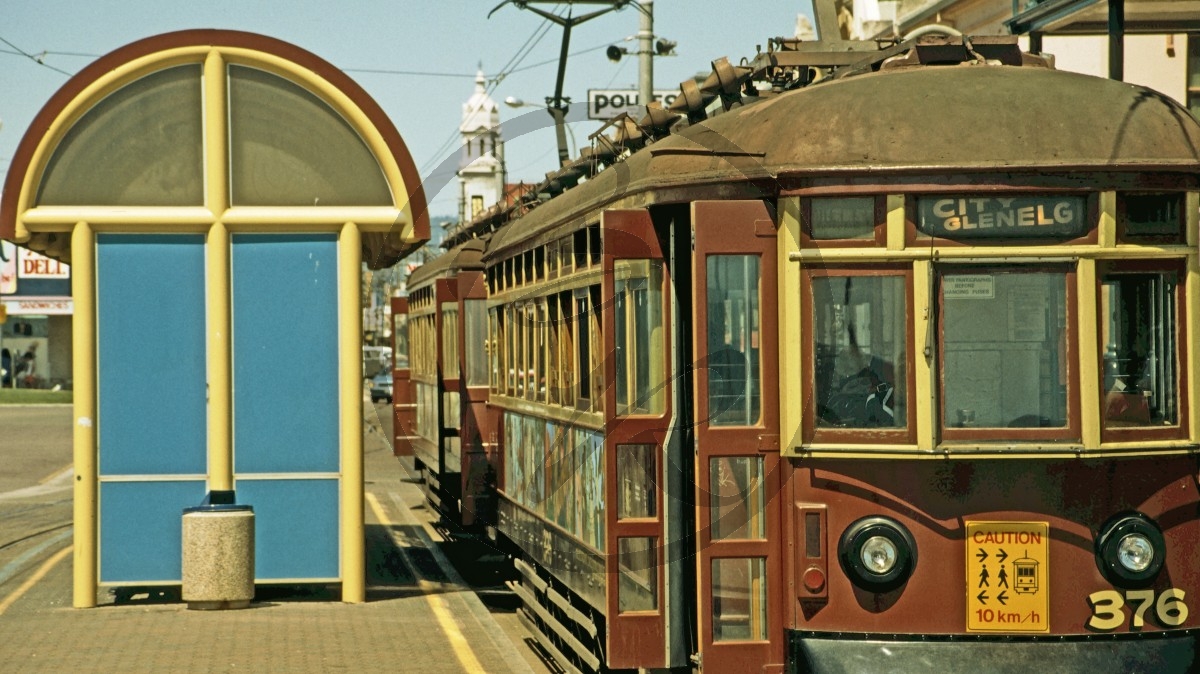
974	287
1007	217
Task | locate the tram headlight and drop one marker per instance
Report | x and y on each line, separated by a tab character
877	553
1135	553
1130	550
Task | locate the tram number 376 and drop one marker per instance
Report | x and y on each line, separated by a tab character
1107	605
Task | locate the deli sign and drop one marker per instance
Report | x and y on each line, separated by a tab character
31	265
1002	217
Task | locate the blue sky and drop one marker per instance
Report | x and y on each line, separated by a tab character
418	59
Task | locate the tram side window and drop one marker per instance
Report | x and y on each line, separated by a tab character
496	349
583	352
637	474
450	369
476	347
1153	216
528	370
513	331
541	331
566	340
1005	347
1141	355
739	599
842	218
597	351
637	299
400	347
553	371
861	329
734	380
637	558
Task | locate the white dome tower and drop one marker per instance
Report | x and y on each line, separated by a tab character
481	164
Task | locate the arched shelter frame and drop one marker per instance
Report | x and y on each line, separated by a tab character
380	228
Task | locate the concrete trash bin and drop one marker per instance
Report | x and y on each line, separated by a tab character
218	556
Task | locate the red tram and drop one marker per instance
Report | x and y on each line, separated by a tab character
441	390
893	370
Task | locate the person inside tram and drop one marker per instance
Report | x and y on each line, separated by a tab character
1126	402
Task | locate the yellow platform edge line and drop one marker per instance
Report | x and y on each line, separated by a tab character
462	647
41	572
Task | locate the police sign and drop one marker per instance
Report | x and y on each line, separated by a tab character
608	103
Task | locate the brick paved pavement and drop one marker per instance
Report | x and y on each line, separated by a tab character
284	630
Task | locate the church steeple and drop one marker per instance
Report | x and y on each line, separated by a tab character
481	162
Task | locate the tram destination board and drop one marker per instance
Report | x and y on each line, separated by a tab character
1007	571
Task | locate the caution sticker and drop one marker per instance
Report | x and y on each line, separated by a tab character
1008	568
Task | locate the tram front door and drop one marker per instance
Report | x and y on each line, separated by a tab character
737	420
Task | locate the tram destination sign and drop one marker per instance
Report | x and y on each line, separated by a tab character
976	217
1007	572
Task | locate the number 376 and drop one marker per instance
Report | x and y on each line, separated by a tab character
1107	605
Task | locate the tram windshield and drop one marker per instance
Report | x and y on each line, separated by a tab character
860	325
1004	342
1139	336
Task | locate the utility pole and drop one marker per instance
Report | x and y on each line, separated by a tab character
646	52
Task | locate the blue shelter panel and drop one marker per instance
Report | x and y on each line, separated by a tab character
141	526
285	353
150	334
295	527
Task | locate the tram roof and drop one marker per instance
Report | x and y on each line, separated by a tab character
464	257
967	118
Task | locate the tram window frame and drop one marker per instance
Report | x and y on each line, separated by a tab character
809	237
475	333
450	366
551	256
595	245
733	334
528	373
567	378
540	346
1127	231
904	387
954	430
493	353
638	314
582	319
509	372
580	249
567	254
596	334
553	351
1115	405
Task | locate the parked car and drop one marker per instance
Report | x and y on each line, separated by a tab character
381	387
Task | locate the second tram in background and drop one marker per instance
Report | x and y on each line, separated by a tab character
892	371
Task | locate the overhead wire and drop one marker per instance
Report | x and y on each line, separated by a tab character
35	58
539	32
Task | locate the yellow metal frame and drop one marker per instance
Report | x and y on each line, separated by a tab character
792	260
216	219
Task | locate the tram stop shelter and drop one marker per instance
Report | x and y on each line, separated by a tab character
215	193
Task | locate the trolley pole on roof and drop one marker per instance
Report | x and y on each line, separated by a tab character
558	105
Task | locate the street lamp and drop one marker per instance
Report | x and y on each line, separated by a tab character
514	102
